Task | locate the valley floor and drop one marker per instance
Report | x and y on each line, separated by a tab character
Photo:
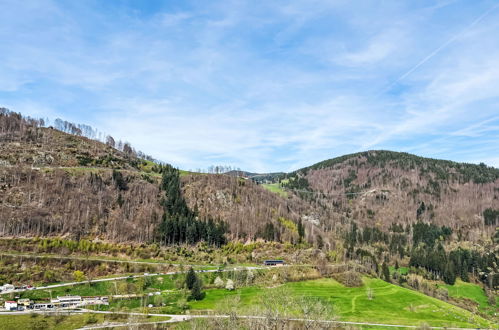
139	289
390	304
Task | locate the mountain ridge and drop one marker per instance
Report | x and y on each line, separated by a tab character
373	187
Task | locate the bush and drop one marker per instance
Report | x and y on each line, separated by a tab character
91	319
230	285
349	279
59	318
219	283
40	325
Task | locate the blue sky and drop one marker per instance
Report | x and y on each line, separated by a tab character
261	85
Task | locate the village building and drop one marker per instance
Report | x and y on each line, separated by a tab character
10	305
25	302
7	287
273	262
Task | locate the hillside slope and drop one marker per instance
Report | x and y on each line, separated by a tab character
380	188
247	207
54	183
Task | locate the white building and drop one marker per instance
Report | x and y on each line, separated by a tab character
7	287
10	305
24	302
95	301
67	301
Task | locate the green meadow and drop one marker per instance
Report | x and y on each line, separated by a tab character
62	321
275	188
471	291
390	304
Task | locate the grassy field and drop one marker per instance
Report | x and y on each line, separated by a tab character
84	289
470	291
129	286
185	173
275	188
143	284
401	270
391	304
62	322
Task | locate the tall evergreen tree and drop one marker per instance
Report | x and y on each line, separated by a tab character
196	293
301	231
386	272
190	279
449	274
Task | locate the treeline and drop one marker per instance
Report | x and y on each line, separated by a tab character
443	170
426	252
271	232
297	183
429	233
180	224
456	263
77	129
395	241
16	127
91	133
491	217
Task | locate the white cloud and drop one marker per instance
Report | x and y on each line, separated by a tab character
377	49
268	87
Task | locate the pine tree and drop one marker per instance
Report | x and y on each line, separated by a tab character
449	274
196	293
386	271
190	279
464	272
301	231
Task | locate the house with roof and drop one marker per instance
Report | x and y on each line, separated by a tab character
10	305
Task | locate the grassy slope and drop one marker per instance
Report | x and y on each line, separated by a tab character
471	291
101	288
391	305
46	322
401	270
36	321
275	188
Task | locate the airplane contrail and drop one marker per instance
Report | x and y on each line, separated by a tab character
445	44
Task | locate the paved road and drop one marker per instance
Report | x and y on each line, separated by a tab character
180	318
156	263
47	287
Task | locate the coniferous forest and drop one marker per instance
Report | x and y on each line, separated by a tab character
180	224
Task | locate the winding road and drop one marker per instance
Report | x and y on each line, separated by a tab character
174	318
118	278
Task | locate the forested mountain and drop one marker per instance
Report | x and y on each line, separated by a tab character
438	216
374	207
380	188
56	182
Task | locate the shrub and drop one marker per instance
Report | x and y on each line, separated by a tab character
349	279
219	283
229	285
91	319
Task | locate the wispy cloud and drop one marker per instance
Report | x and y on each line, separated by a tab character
270	87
